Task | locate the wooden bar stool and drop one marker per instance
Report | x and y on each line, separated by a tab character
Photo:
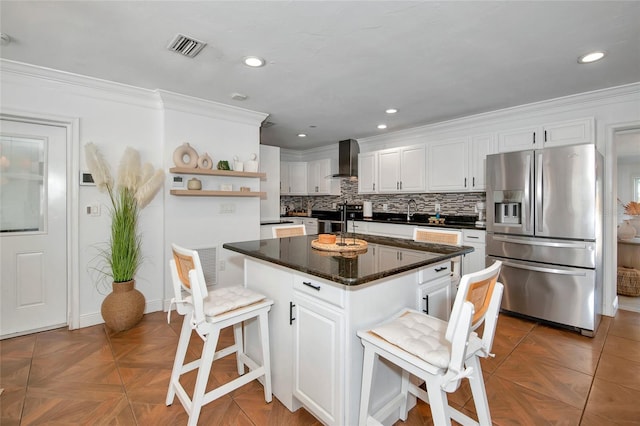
439	353
208	312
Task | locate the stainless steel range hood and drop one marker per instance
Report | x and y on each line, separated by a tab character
348	151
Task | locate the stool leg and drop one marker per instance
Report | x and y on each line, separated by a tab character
238	344
368	365
181	352
479	392
404	390
208	352
263	321
438	402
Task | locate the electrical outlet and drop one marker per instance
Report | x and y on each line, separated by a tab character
437	207
227	208
221	265
385	207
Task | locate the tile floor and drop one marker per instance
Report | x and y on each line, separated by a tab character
540	376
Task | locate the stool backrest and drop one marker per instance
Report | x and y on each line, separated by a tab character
438	236
188	275
484	292
288	231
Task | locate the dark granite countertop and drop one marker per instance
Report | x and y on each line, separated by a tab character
384	257
418	219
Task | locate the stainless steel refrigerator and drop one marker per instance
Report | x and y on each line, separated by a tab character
544	222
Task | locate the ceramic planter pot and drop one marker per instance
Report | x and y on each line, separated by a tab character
124	307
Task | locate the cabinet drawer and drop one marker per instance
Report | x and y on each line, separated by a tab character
473	236
431	272
319	289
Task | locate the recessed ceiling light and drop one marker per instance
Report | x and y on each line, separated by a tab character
253	61
382	126
391	111
590	57
302	135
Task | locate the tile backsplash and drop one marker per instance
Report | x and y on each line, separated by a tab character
452	203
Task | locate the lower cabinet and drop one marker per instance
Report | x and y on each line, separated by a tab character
474	261
436	298
316	356
318	345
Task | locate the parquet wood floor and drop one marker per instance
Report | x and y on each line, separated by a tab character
540	376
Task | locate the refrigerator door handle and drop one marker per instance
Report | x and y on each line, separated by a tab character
527	208
539	197
545	270
540	243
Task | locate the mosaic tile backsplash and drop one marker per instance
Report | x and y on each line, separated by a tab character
459	203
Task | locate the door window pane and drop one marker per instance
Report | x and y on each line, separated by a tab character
22	184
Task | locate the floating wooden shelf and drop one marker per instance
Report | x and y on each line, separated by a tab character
212	172
206	193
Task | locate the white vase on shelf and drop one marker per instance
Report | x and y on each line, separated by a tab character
635	222
626	231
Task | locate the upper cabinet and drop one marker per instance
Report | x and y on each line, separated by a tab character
368	173
459	164
560	133
293	178
402	169
448	165
307	178
318	180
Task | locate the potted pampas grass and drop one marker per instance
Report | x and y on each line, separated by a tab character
134	188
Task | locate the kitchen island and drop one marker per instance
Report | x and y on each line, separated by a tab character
322	299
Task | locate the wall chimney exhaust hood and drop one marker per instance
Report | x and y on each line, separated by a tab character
348	151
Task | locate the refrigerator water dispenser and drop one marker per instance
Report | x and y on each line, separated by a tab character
507	213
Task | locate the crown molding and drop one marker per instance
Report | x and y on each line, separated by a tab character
571	102
193	105
80	84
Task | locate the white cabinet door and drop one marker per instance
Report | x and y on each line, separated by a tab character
402	169
368	173
474	261
317	172
389	170
569	132
448	165
480	146
310	226
412	169
284	178
435	298
297	178
318	369
519	139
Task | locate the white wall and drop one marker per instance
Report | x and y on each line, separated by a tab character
223	132
115	116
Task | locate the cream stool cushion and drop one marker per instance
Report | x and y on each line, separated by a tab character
420	335
226	299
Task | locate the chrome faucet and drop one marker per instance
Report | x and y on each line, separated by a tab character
409	214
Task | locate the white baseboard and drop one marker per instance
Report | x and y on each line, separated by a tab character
88	320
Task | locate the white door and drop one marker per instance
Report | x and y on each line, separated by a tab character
33	227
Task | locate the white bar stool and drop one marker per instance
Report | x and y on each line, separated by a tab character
208	312
439	353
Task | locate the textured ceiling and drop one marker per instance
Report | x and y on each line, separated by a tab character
338	65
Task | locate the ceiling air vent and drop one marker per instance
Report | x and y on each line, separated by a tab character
186	46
